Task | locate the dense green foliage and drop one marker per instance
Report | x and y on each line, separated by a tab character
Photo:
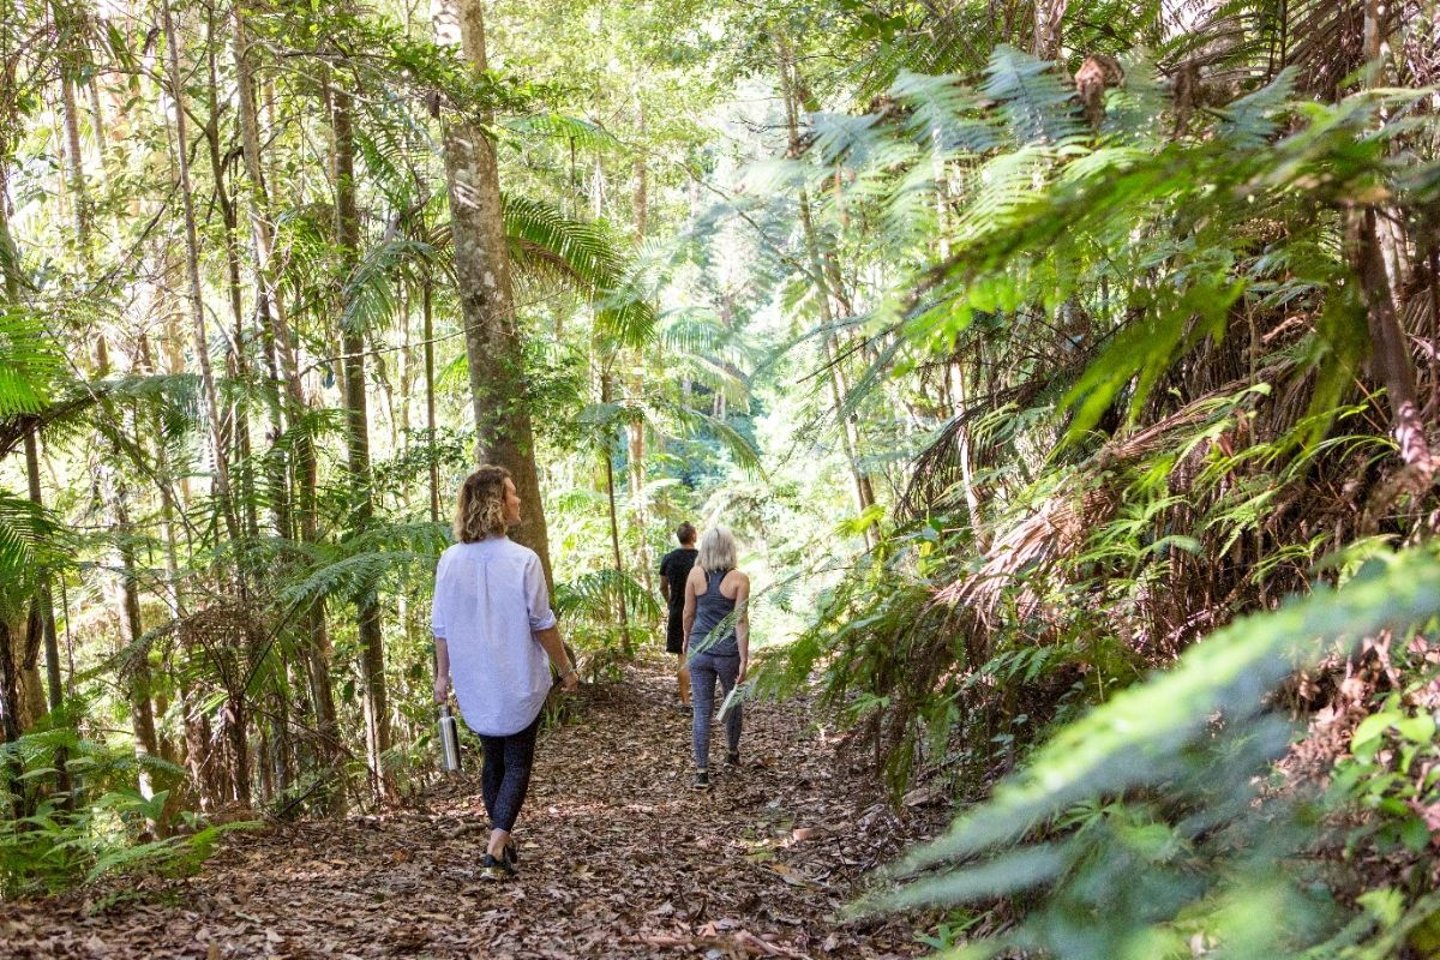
1050	360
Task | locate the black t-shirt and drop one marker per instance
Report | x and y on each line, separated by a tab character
675	567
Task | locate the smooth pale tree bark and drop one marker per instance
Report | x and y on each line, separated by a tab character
271	309
503	431
427	291
236	367
357	442
195	291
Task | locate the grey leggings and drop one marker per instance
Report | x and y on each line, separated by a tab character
705	669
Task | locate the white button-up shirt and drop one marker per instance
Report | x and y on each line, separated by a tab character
490	598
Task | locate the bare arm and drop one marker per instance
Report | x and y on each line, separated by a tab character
549	638
442	669
742	625
687	616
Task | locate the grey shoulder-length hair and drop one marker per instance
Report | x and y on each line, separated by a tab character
717	550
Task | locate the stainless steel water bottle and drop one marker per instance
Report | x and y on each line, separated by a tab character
449	741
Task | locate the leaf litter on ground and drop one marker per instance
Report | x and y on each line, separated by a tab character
619	858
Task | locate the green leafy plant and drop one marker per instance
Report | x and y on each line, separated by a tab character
1148	824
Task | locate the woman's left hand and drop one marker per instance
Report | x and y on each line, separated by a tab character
744	670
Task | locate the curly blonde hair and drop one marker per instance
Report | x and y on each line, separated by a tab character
480	510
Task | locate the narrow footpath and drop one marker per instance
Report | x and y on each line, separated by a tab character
618	858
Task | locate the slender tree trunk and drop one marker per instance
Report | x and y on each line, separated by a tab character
41	632
426	308
236	366
316	645
824	278
75	163
1390	352
503	430
635	426
608	453
372	649
196	294
1378	269
132	628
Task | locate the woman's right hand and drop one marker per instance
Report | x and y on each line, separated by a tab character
442	689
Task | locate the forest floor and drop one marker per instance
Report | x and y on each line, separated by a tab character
618	858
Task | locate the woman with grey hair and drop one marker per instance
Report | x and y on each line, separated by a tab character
717	642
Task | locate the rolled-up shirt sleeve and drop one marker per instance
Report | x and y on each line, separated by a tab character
437	618
537	596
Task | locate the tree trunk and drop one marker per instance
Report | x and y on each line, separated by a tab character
1048	16
1378	269
236	367
824	279
41	630
635	426
427	292
196	294
607	452
132	628
316	644
1390	351
503	430
77	169
372	650
9	683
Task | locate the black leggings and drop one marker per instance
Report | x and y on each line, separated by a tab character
506	774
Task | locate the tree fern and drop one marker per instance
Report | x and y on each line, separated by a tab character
1167	732
29	361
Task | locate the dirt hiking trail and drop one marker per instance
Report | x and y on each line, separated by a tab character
618	858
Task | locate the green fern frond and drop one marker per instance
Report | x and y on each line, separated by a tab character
584	134
29	361
1037	105
593	596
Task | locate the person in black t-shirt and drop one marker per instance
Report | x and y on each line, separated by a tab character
674	568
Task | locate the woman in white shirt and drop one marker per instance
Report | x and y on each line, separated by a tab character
493	633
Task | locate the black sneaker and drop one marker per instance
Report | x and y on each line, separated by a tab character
702	781
732	758
512	853
492	869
